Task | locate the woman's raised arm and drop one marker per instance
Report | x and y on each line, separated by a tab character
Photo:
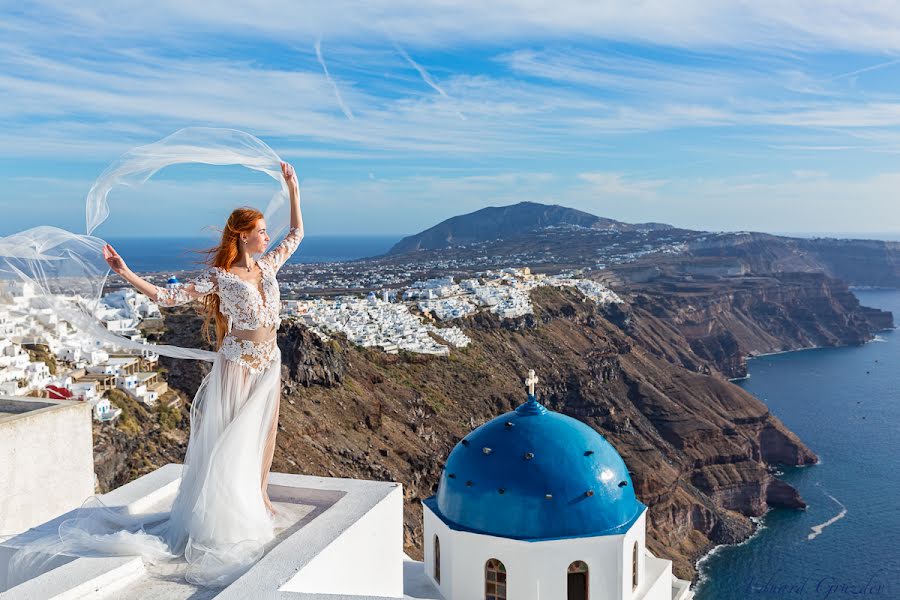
286	247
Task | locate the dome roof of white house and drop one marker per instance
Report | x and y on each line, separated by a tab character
533	473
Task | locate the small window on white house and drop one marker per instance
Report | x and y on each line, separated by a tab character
494	580
577	581
437	559
634	567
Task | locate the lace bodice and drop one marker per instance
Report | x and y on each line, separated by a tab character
241	302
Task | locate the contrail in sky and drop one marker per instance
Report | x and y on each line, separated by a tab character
334	86
867	69
426	76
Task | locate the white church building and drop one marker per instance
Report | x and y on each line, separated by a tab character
537	505
532	505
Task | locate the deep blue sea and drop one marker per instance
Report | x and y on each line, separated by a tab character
845	404
174	254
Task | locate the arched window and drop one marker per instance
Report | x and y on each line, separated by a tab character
578	581
437	559
494	580
634	567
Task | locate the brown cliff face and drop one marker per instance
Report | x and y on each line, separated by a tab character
700	449
142	440
725	320
858	262
697	446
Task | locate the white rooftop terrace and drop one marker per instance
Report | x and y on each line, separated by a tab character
338	539
335	538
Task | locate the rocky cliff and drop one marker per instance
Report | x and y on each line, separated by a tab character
858	262
725	320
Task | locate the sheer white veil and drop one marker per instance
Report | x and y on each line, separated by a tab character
50	268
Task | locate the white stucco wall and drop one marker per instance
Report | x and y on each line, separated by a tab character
46	460
658	585
537	570
364	560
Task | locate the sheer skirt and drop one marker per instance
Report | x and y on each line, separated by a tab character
218	521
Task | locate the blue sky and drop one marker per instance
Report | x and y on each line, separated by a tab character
397	115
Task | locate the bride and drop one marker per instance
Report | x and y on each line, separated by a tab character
221	517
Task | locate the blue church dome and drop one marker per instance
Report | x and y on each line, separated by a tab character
172	279
533	473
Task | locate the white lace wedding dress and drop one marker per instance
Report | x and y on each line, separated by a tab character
218	521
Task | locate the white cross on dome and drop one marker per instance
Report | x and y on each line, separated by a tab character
530	381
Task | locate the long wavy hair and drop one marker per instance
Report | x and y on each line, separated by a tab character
241	220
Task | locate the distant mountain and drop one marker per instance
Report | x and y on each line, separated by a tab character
501	222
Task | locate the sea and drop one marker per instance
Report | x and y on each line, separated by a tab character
156	254
844	403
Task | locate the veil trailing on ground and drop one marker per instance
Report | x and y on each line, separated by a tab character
51	269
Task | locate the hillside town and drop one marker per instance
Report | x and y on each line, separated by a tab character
42	355
545	250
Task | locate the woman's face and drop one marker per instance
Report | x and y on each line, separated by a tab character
258	239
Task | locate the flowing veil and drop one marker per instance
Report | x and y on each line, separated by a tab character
49	268
66	272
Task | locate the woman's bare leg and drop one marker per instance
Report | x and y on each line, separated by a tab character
269	454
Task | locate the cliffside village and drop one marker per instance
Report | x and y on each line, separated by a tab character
41	355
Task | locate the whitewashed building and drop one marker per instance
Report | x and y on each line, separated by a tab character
86	390
104	410
535	505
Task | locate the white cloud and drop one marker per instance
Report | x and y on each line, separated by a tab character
802	24
809	202
549	104
616	185
84	83
813	201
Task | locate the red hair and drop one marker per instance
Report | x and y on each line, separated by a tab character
241	220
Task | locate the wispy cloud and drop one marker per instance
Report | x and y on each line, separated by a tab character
804	201
619	186
636	98
803	25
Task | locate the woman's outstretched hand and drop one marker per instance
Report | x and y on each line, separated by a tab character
115	262
289	176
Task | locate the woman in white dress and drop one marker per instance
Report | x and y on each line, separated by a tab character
222	516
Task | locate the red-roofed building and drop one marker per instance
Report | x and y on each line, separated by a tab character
58	393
